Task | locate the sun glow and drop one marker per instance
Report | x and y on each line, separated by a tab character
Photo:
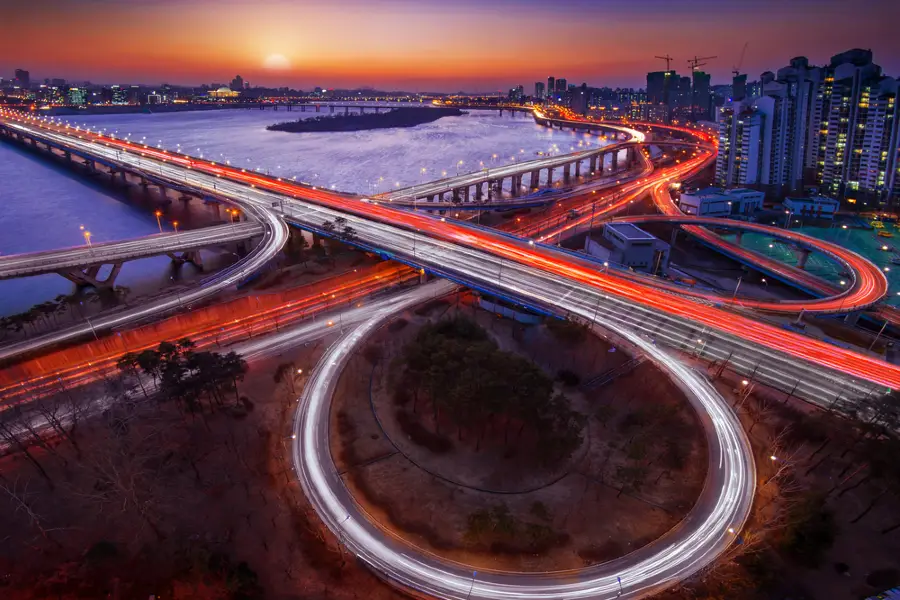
276	62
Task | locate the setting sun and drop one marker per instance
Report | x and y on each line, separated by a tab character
276	62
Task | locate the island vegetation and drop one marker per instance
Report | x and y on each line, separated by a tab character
398	117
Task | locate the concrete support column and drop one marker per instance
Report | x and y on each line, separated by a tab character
853	317
577	169
802	257
432	198
567	173
615	162
593	164
516	185
740	237
674	237
549	176
466	194
455	195
479	191
534	180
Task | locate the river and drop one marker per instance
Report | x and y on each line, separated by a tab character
44	204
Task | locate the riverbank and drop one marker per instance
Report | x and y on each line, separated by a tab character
398	117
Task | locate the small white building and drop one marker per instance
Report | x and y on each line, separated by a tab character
716	202
820	207
630	246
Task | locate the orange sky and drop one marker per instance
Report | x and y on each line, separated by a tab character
428	45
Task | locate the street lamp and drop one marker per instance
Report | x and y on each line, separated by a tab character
158	222
87	238
175	225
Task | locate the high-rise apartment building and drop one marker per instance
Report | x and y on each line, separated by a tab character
836	127
538	90
561	87
701	101
237	84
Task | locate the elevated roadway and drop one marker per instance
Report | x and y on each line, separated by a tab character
501	263
706	532
868	284
54	261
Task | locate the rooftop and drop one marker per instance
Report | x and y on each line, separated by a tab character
630	232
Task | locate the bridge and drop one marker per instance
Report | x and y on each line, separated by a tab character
82	264
520	270
470	187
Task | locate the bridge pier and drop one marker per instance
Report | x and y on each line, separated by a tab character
615	162
88	277
567	173
740	237
534	180
479	191
454	194
516	182
802	257
853	317
465	195
549	176
577	169
191	256
593	164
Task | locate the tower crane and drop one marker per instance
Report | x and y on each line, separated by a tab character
697	61
668	60
736	70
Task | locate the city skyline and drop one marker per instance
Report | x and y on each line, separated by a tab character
275	44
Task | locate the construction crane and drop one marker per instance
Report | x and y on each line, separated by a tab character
697	61
668	60
736	70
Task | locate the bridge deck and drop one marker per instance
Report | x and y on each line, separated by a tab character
35	263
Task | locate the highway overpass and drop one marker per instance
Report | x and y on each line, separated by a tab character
522	271
81	264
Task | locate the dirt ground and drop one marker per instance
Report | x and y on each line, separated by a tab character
587	510
232	492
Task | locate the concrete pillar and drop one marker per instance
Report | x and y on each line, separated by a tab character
318	107
577	169
479	191
567	173
466	194
455	195
674	237
853	317
432	198
331	107
549	176
615	162
516	185
802	257
593	164
534	179
346	110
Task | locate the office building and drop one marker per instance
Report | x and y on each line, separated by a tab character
538	90
561	87
23	78
739	87
237	84
77	96
119	95
517	94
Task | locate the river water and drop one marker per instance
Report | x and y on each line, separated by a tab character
44	205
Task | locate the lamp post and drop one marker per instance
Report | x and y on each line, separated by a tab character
158	222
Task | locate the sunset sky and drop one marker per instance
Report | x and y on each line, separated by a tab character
428	45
